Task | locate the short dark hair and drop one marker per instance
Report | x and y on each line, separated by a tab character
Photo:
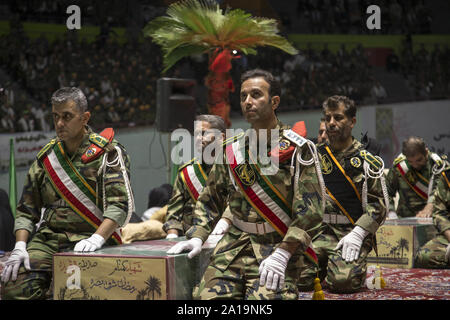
333	103
275	86
159	196
413	145
216	122
75	94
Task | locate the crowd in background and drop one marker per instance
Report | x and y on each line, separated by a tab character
119	79
347	16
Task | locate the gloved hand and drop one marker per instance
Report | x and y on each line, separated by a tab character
171	236
90	244
351	243
272	269
18	255
447	254
221	227
392	215
194	246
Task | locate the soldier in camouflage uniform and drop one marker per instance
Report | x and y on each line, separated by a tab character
412	177
253	260
28	271
180	211
346	235
435	254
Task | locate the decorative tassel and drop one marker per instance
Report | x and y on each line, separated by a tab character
376	281
318	293
379	275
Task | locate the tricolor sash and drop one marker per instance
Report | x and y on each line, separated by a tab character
260	193
339	186
72	187
417	182
194	178
258	189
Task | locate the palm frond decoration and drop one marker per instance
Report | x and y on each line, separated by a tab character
197	26
201	26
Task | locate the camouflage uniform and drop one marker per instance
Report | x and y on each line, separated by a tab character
432	254
339	275
409	203
61	227
180	210
233	269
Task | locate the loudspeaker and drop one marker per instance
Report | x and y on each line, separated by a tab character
175	104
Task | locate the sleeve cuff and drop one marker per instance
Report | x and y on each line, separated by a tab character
197	232
116	214
300	236
23	223
368	224
173	224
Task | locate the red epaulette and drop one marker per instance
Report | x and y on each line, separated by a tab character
285	149
97	147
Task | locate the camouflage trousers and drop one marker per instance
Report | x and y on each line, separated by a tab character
37	283
432	254
340	276
240	280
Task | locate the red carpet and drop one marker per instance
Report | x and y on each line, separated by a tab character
401	284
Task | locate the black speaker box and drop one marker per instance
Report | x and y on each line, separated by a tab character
175	104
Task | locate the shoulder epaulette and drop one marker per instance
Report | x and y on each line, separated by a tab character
232	139
436	158
295	137
186	164
47	147
374	162
399	159
98	144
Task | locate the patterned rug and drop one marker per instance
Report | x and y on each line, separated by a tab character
401	284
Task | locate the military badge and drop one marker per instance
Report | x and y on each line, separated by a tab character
327	165
356	162
246	174
91	151
284	144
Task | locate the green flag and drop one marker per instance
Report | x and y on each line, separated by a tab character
12	178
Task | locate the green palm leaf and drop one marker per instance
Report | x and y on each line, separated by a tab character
197	26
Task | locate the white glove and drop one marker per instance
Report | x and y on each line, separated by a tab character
171	236
90	244
447	254
351	243
18	255
272	269
221	227
392	215
194	246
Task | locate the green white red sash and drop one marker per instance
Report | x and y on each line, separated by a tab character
421	185
194	179
260	193
72	187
